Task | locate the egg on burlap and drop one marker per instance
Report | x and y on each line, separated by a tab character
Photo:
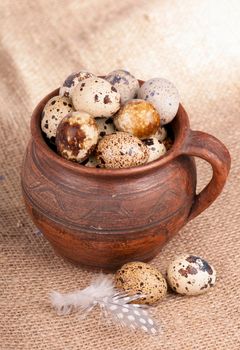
190	275
141	278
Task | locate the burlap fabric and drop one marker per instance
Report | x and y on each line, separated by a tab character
196	44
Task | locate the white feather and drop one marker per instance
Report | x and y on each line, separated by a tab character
113	303
101	287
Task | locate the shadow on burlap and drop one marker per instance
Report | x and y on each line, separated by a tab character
196	45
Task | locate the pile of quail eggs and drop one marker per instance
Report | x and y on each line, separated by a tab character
187	274
111	122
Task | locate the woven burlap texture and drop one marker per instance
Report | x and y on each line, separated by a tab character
195	44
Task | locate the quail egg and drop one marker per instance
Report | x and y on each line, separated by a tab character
161	133
155	147
97	97
105	126
139	118
125	83
54	111
190	275
77	136
72	80
163	95
142	278
121	150
91	162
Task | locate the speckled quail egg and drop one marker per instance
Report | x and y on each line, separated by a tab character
91	162
97	97
142	278
54	111
125	83
77	136
105	126
163	95
155	147
121	150
138	117
72	80
190	275
161	133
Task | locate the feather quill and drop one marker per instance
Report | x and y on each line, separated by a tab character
113	303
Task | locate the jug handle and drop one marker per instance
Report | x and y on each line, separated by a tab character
209	148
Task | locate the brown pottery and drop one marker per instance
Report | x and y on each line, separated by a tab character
104	218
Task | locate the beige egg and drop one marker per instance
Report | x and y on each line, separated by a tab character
139	118
190	275
125	83
139	277
121	150
163	95
161	133
77	136
97	97
91	162
105	126
155	147
72	80
54	111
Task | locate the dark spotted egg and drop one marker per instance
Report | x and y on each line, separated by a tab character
105	126
54	111
97	97
125	83
121	150
190	275
72	80
163	95
142	278
155	147
77	136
